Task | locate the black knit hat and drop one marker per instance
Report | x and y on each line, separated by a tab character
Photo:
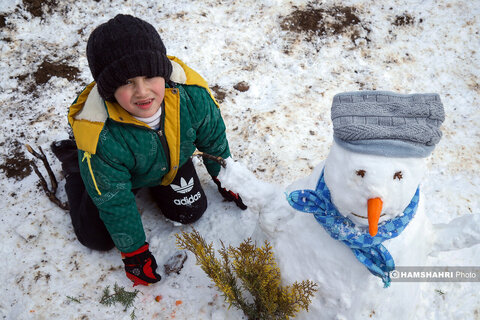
123	48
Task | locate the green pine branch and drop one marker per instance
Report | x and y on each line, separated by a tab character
77	300
120	295
249	271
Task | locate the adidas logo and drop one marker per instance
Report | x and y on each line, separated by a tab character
184	187
188	201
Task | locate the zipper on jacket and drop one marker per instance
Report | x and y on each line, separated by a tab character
161	136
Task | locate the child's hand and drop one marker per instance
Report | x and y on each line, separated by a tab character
140	266
229	195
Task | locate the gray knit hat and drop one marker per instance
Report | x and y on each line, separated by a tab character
386	123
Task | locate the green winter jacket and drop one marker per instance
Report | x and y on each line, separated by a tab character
118	153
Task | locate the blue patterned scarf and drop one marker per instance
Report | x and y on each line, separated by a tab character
368	250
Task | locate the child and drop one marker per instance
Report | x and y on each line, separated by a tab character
137	126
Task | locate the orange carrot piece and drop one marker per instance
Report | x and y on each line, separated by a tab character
374	211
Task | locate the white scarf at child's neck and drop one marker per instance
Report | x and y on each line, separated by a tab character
153	121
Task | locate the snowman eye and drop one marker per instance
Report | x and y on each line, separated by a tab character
361	173
398	175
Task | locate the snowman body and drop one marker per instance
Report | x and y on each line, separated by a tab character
346	289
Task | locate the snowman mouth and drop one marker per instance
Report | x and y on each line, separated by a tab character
357	215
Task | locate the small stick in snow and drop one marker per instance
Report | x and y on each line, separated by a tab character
218	160
42	157
50	193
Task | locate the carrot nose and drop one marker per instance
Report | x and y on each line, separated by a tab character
374	211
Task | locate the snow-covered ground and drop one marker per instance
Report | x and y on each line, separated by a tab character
279	129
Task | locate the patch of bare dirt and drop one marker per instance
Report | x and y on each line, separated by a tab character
403	20
3	21
219	93
49	69
15	164
45	72
38	8
474	86
326	22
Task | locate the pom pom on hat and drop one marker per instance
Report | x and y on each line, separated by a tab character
123	48
386	123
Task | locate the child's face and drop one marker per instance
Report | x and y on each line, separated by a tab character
141	96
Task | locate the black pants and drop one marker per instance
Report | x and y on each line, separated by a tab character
183	201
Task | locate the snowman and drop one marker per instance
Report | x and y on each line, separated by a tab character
368	189
360	212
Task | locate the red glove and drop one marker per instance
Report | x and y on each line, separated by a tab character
140	266
229	195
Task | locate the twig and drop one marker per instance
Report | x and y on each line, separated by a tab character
218	160
43	157
51	194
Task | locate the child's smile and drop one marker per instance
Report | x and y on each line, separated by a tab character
145	104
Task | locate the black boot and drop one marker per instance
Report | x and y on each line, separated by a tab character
66	151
